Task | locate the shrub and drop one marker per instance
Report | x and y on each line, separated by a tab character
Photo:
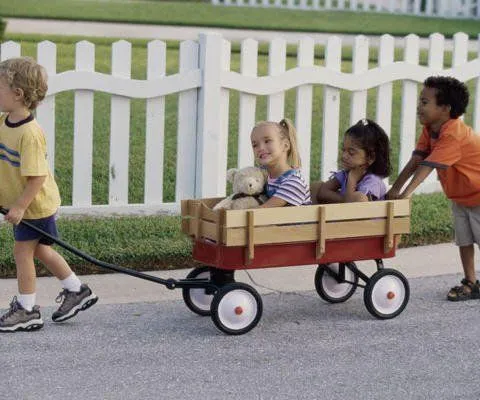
3	25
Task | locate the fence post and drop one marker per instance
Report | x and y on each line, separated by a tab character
358	104
277	54
384	95
120	127
409	103
155	126
476	108
247	103
187	126
303	106
47	56
83	130
211	155
435	61
331	110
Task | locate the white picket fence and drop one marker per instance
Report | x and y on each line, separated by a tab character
432	8
204	82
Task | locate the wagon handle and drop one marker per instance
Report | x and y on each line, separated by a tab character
169	283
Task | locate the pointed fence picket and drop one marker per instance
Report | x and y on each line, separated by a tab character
204	83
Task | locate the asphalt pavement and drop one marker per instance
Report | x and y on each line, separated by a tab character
303	348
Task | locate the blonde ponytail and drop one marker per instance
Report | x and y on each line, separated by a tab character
289	132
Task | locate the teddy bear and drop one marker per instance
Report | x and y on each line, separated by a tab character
248	186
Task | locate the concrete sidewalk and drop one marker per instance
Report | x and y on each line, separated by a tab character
414	262
171	32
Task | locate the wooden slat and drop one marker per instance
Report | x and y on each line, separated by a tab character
210	202
220	224
184	207
198	215
208	214
389	237
321	231
250	236
333	212
209	230
309	232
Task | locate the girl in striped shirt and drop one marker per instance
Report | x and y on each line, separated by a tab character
275	148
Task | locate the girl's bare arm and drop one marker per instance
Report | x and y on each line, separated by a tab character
327	192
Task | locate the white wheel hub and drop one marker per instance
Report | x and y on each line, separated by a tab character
388	294
237	309
198	296
332	287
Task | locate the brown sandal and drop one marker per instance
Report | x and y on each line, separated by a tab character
460	293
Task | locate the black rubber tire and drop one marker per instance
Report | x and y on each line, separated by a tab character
392	283
322	277
223	307
188	292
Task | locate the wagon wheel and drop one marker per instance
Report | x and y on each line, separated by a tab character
197	299
328	285
236	308
386	293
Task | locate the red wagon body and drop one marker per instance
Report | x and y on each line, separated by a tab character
332	236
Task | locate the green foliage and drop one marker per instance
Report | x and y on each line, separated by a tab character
143	243
3	25
156	242
431	221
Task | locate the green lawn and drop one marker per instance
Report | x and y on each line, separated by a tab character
156	242
204	14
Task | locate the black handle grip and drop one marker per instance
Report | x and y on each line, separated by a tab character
89	258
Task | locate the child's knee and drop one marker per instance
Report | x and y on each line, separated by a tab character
24	249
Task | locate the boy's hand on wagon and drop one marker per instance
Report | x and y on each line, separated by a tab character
392	194
15	215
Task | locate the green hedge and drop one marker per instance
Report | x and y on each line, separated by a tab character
157	243
3	25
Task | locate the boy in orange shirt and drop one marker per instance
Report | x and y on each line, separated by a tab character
451	147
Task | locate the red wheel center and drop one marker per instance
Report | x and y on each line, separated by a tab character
238	310
390	295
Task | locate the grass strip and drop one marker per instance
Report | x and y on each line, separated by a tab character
185	13
156	243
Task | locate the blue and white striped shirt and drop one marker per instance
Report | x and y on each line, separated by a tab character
291	187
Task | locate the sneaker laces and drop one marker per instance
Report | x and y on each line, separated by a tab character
14	307
63	296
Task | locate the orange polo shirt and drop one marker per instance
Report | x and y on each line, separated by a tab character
455	153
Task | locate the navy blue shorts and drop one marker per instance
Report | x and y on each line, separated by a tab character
23	233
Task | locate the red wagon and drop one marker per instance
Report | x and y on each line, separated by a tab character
331	236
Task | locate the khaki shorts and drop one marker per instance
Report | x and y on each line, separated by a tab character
466	221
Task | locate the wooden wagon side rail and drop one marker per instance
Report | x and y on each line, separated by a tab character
296	224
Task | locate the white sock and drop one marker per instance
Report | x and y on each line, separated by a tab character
71	283
27	301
